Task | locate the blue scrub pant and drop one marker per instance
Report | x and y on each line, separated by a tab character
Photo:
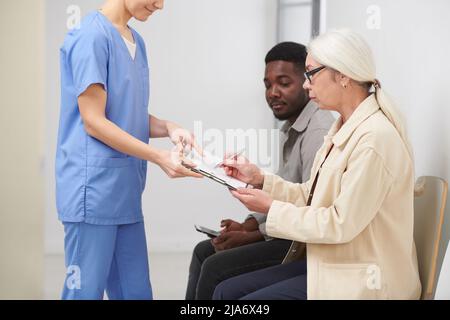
281	282
106	257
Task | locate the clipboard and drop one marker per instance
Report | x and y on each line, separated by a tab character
207	166
213	177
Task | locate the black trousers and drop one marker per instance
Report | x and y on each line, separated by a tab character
281	282
209	268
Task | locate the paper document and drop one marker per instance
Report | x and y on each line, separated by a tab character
206	166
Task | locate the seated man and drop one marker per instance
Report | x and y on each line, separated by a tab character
245	247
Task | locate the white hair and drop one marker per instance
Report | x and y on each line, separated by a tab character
348	53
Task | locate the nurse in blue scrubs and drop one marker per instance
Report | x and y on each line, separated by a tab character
102	153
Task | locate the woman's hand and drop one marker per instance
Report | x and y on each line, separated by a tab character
254	199
171	162
182	137
240	168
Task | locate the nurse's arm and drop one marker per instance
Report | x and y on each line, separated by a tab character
92	105
164	128
158	127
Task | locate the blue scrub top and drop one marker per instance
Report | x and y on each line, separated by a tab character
94	182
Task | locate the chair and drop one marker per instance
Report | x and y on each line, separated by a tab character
430	195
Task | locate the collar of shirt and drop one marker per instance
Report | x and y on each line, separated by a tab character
339	135
302	120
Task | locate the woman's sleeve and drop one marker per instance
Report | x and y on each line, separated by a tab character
286	191
364	186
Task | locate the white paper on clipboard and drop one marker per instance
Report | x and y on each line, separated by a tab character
206	166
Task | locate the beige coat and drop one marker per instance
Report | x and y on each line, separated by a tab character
359	227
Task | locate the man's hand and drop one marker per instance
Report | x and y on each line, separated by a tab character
248	225
231	225
233	239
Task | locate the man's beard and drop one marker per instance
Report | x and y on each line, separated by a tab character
288	115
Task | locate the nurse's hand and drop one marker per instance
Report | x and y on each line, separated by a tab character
182	137
171	163
255	200
242	169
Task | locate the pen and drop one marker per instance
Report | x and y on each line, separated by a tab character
230	157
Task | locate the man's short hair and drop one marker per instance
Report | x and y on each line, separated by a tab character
290	52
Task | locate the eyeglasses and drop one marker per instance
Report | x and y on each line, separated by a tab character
309	74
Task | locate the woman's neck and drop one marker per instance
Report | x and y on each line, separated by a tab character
351	102
117	13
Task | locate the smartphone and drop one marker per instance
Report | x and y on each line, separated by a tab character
209	232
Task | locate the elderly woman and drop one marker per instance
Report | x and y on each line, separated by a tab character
355	214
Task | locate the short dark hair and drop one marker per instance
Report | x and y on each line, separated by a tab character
290	52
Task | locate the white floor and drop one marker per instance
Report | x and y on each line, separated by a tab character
168	273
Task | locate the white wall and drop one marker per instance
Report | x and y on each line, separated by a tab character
21	141
295	21
206	63
412	50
